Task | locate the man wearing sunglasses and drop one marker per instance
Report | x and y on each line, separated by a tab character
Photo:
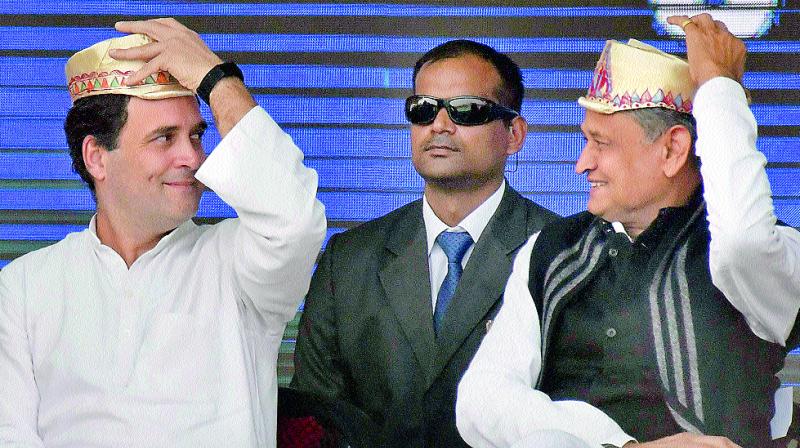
671	303
398	305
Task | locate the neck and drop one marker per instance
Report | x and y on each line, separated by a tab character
129	241
453	205
681	191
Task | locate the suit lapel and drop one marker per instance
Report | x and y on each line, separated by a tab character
484	278
406	283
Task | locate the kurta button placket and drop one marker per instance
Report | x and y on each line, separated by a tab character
127	322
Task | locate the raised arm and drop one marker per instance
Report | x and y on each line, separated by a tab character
753	261
256	169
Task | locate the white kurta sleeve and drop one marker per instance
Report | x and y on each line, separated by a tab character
257	169
19	397
754	262
497	405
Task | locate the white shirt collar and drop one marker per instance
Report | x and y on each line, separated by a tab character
619	228
187	226
474	223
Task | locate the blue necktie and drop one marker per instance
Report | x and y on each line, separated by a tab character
454	245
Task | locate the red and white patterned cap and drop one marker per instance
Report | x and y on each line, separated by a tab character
635	76
93	72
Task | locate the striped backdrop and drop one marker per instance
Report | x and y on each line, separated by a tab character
335	76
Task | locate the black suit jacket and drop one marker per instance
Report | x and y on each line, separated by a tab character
366	335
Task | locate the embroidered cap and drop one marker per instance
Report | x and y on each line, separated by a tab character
93	72
635	76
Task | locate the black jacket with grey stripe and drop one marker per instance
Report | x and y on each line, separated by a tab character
717	377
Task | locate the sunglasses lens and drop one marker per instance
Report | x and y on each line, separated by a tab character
421	110
470	111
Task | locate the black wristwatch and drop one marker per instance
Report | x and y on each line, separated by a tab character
213	76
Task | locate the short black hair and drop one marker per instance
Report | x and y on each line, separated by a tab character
511	90
102	116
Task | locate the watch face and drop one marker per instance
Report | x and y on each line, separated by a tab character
744	18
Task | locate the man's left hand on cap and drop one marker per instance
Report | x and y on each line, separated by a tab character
177	50
711	49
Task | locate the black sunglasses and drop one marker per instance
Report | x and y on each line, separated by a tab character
463	110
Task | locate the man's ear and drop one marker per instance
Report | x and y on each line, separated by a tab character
518	128
677	150
94	157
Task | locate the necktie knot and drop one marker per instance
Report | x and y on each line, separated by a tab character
454	245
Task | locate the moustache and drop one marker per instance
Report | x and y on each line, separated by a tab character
441	142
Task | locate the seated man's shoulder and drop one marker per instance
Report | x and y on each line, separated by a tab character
373	233
564	230
570	223
537	212
66	254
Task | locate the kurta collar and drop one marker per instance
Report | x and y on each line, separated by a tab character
666	219
182	229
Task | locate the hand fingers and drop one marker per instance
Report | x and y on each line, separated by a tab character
682	21
171	23
153	66
142	53
677	20
703	20
153	28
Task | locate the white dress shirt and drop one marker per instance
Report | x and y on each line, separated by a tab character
474	224
753	262
180	349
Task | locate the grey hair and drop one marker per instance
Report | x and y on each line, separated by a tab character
656	120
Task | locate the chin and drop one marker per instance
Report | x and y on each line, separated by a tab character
591	206
595	210
184	213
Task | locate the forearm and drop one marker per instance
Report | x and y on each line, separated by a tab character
230	102
736	187
501	409
754	262
258	171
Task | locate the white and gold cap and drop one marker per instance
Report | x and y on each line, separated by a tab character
635	76
93	72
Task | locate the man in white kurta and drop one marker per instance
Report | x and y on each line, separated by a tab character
177	346
755	263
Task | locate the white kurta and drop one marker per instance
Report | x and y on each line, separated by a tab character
180	349
753	262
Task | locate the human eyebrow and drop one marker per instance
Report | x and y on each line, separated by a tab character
595	136
199	128
158	132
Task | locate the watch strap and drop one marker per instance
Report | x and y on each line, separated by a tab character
214	76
